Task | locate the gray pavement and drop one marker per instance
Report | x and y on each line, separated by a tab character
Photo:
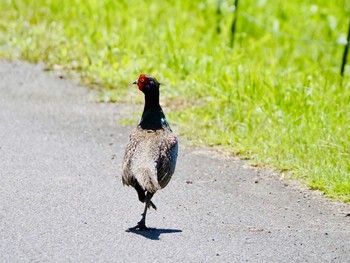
62	200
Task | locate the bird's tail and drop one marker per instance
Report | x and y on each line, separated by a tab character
147	179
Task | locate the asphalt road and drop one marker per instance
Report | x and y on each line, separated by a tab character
62	200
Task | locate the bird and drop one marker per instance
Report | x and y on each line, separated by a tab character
151	152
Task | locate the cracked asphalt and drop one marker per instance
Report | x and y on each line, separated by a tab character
62	200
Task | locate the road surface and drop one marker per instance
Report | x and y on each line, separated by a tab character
62	200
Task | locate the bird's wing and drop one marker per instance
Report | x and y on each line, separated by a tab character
134	140
167	159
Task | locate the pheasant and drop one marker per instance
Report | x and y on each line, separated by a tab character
151	153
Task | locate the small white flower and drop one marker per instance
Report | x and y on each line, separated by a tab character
313	9
342	39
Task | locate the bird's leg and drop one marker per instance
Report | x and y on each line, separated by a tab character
142	197
142	224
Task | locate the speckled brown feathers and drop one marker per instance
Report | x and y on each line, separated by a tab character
150	159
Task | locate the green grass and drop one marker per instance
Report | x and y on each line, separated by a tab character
276	97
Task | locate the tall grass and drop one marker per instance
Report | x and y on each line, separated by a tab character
276	96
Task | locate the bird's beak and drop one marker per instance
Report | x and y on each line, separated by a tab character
135	82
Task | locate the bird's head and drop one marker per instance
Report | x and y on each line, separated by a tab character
147	83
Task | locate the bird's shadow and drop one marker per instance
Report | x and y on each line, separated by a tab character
152	233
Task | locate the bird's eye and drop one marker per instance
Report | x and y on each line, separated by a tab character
142	80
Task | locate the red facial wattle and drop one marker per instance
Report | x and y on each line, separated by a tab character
142	81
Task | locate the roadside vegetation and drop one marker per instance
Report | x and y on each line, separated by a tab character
276	96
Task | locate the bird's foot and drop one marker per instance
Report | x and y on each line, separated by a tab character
153	205
141	227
